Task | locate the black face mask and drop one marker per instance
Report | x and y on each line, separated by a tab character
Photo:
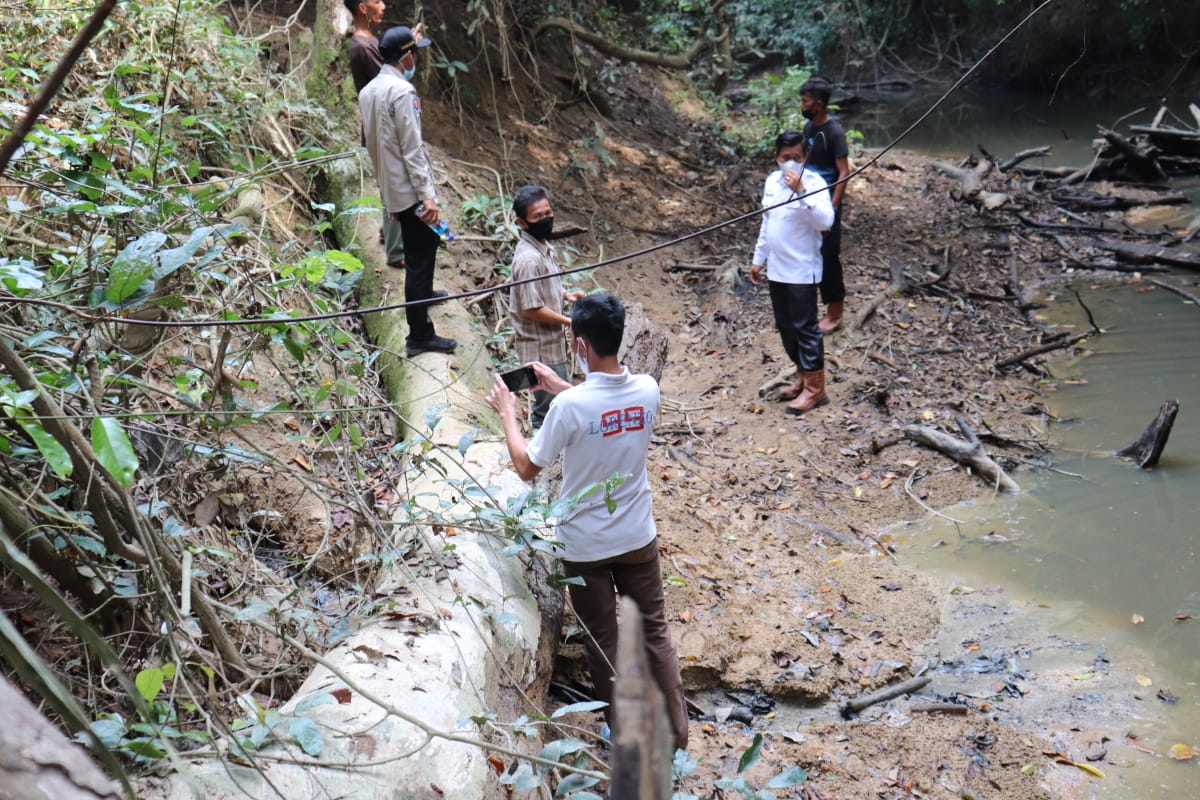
541	229
807	113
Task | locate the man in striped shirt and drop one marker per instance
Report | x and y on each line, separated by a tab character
536	307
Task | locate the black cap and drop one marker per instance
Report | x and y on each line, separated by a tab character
397	41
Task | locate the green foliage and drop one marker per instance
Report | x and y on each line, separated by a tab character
148	740
261	726
451	68
774	106
114	450
483	211
18	406
800	30
123	195
589	156
683	767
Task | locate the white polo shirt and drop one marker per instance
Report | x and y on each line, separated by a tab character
602	428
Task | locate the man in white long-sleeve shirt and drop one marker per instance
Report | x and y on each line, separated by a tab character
788	254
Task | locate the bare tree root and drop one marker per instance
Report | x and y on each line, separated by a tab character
609	48
969	452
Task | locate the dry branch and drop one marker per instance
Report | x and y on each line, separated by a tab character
852	707
1033	152
970	453
1170	287
1045	348
938	708
970	185
898	285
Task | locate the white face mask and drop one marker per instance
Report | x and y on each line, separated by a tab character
789	164
580	358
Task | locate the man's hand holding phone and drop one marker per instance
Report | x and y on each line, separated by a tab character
519	379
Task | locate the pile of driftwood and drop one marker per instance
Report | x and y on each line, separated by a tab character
1072	206
1070	215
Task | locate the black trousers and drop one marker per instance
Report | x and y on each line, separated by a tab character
796	319
420	258
833	286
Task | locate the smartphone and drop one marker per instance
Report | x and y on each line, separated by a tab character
519	379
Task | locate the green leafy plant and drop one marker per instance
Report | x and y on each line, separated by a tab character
261	726
486	212
795	776
149	740
451	67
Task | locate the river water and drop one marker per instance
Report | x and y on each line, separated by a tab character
1109	555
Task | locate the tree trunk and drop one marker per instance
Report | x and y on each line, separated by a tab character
1149	446
37	762
641	764
644	347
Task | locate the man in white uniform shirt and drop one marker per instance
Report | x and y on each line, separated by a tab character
602	428
789	249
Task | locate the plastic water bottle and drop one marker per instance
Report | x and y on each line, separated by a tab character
441	227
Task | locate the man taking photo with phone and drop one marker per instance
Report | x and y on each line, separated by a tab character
602	428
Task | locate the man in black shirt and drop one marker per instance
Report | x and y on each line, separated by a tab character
826	152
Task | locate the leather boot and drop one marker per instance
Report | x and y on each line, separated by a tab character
833	317
812	397
795	388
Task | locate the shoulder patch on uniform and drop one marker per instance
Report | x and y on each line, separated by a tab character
416	104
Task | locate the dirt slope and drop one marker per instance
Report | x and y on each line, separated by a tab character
780	583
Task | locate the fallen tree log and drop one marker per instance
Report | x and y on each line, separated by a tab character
1149	446
969	453
1174	141
1149	253
40	763
1142	158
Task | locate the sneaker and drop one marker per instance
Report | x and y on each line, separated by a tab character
434	344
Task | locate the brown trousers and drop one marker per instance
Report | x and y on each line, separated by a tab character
637	575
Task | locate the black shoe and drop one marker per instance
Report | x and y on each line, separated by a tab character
434	344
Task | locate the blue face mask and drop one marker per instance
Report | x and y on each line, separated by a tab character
408	73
